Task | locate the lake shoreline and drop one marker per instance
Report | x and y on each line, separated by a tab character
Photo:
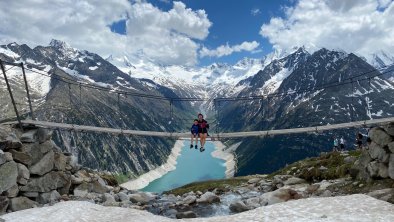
225	155
170	165
143	180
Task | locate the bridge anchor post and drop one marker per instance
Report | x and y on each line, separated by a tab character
10	92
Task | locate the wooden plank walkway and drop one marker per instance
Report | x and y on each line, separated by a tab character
79	128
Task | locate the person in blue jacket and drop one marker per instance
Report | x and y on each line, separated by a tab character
194	131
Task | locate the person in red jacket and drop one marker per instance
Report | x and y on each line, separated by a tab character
202	130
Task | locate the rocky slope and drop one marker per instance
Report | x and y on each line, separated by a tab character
25	185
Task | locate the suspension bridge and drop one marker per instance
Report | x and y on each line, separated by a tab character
180	135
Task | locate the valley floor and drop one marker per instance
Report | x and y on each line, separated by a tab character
356	207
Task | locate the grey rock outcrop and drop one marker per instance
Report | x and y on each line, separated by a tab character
48	182
278	196
238	206
142	197
190	199
208	197
377	160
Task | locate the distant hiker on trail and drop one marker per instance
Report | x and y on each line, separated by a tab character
342	143
335	144
359	140
202	130
194	131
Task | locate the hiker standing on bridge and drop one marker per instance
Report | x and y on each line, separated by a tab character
202	130
359	140
335	144
342	143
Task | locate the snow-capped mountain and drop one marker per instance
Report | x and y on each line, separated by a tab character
49	71
296	99
381	59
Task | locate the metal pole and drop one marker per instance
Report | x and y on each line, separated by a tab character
12	97
27	91
351	111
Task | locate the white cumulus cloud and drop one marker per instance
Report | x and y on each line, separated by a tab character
225	50
167	37
360	26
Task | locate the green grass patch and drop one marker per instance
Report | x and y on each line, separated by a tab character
325	167
221	185
122	177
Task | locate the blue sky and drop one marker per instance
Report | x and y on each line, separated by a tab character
234	22
169	32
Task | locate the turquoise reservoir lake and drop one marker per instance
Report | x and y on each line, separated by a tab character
192	165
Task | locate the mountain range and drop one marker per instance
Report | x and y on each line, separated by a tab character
291	82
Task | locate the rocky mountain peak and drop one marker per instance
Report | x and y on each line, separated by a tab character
64	48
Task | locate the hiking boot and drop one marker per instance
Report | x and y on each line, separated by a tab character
195	147
191	146
202	149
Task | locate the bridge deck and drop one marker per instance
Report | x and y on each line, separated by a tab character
79	128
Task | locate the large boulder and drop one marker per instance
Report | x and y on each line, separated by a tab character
377	169
379	136
278	196
253	202
49	197
37	151
108	199
391	147
187	214
384	194
44	165
294	181
3	204
238	206
29	136
391	167
12	192
94	186
8	139
208	197
50	181
378	153
8	175
43	135
60	161
23	174
21	157
389	129
123	197
190	199
3	158
142	197
21	203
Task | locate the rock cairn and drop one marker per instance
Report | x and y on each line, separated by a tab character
377	158
35	172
